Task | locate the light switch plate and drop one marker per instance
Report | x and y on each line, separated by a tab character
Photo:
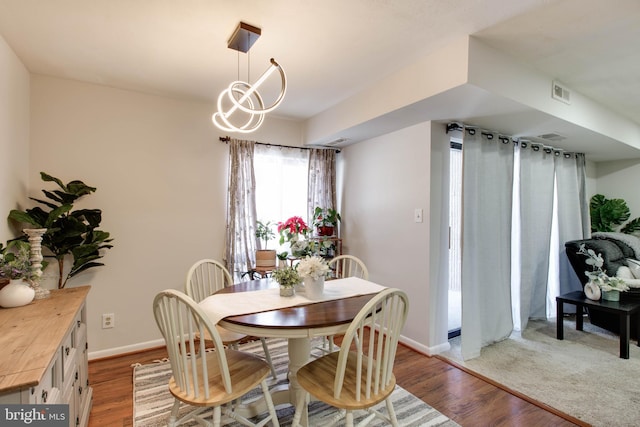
417	215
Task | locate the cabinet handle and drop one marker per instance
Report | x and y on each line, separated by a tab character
80	390
44	396
66	351
79	323
76	376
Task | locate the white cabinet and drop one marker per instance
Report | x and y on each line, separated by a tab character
44	357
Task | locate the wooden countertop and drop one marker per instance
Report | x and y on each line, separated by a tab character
31	335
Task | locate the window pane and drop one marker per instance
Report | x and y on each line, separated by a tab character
281	183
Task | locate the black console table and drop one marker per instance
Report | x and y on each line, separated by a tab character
624	310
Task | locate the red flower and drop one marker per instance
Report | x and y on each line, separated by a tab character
295	224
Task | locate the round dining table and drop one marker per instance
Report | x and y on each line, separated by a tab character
298	325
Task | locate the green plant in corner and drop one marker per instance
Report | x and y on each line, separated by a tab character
264	232
608	214
69	232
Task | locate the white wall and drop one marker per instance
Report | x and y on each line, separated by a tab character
618	180
383	180
14	136
161	176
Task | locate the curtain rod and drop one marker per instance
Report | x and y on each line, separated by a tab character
505	139
226	139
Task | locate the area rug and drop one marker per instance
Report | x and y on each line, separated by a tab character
152	401
581	375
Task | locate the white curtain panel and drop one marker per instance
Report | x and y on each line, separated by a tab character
322	180
537	169
240	244
486	241
572	211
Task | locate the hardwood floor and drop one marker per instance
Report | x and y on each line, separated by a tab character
463	397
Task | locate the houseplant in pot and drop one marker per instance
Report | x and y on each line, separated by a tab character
325	220
265	257
70	233
287	278
294	231
15	265
600	284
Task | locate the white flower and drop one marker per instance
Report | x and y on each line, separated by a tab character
314	267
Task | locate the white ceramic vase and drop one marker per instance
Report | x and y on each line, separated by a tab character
16	294
314	288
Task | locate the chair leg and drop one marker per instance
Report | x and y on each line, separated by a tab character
392	413
302	399
269	401
174	413
267	356
349	419
217	414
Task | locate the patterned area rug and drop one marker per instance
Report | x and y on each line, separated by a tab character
152	401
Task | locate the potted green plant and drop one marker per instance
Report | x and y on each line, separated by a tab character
282	259
265	257
69	233
325	220
608	215
287	278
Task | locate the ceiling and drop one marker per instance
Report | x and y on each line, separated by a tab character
330	50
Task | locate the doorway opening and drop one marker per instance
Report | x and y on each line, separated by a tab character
455	250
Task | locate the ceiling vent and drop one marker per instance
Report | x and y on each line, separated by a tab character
552	137
560	92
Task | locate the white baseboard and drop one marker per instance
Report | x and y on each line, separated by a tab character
421	348
125	349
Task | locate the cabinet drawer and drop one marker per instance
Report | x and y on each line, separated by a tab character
48	390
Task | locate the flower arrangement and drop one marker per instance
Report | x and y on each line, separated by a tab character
15	260
598	275
312	266
291	229
286	277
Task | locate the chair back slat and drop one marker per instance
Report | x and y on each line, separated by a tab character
205	277
373	337
349	266
180	321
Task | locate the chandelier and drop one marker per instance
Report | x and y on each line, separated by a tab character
240	106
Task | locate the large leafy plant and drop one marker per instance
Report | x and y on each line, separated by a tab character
69	232
609	214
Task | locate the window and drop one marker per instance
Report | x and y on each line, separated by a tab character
281	182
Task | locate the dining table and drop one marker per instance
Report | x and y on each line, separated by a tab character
255	308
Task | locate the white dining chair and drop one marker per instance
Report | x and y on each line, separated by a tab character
206	379
343	266
360	375
348	266
204	278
